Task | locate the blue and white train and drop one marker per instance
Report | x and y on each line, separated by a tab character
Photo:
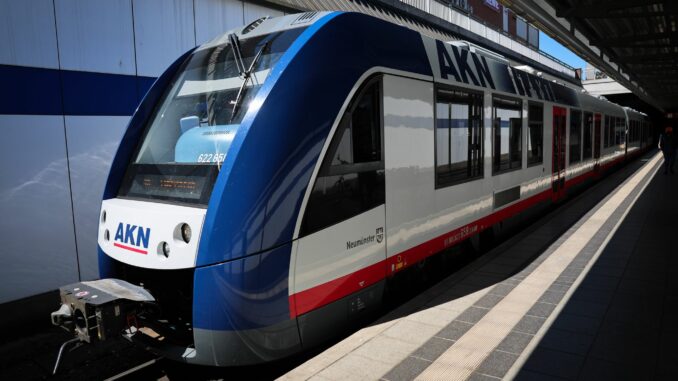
273	180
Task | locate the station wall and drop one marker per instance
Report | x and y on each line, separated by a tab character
72	72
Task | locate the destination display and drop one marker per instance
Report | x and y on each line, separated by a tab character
184	183
190	187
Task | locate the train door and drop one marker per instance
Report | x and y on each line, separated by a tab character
339	262
410	143
559	147
596	136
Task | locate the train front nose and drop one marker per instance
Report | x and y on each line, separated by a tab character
150	235
234	312
221	292
155	246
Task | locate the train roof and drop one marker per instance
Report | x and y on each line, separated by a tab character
519	80
266	25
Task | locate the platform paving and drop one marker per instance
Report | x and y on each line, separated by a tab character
588	292
621	321
608	312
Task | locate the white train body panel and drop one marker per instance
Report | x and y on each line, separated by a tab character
340	250
416	213
137	229
408	142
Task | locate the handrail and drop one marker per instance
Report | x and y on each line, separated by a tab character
556	59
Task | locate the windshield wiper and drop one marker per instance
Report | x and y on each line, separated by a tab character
248	75
235	43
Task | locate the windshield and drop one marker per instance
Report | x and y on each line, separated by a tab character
190	133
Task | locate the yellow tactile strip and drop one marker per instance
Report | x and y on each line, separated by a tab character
462	358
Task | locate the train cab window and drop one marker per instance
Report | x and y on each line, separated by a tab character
351	177
587	138
191	130
458	137
507	142
535	136
575	136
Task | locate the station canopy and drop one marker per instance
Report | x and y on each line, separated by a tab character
633	41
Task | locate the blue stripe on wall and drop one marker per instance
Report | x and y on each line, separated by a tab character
98	94
39	91
27	90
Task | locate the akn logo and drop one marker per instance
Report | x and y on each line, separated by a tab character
132	235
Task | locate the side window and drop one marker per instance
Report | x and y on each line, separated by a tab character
607	132
639	130
575	136
596	136
588	131
351	177
458	137
613	131
507	142
535	137
632	130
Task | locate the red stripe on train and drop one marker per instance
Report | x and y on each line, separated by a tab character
321	295
411	256
318	296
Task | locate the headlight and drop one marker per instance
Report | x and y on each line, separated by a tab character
186	232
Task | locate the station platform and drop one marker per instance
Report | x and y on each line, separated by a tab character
589	291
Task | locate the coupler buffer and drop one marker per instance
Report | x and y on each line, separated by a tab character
98	310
